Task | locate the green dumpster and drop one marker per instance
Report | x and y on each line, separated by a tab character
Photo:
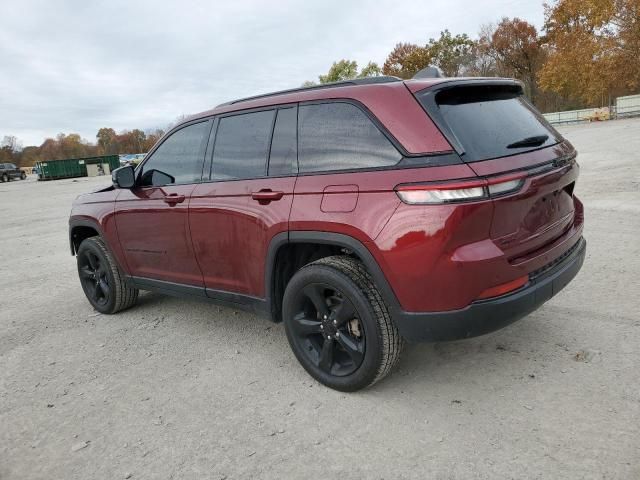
77	167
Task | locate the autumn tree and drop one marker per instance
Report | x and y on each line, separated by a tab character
152	138
517	51
107	141
10	149
594	49
405	60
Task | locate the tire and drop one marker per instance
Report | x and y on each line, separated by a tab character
101	279
5	178
356	344
23	176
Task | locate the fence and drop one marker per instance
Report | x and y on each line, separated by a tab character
624	107
627	106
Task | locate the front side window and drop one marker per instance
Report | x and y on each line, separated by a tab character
242	146
340	136
179	159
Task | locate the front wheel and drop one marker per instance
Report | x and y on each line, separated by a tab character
5	178
23	176
338	325
101	279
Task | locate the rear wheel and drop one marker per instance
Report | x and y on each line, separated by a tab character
23	176
338	325
101	280
5	177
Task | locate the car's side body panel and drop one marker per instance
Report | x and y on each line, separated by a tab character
154	235
231	231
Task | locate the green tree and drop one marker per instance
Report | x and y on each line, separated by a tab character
371	69
341	70
453	54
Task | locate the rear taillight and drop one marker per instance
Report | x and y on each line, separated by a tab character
459	191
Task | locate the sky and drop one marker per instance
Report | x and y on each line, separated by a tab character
77	66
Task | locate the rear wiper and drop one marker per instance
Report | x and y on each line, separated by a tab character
529	141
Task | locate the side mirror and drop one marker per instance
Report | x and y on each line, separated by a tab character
123	177
156	178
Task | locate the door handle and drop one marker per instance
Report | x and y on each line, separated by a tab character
267	195
174	198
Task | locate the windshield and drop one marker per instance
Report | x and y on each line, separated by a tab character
489	121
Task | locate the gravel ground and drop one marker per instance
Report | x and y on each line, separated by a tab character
179	389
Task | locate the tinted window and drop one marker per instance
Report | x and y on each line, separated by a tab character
179	158
492	121
282	160
339	136
242	145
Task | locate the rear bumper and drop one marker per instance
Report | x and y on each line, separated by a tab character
486	316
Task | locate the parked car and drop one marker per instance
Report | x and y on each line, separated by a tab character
9	171
361	214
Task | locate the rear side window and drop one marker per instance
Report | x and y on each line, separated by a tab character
283	157
179	159
242	146
339	136
489	121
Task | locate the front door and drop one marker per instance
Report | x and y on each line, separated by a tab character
152	218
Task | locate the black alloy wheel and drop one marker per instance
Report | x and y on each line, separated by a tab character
338	325
94	279
326	327
101	279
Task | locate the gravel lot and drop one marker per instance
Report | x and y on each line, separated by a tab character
179	389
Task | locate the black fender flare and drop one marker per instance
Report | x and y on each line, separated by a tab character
83	222
327	238
78	222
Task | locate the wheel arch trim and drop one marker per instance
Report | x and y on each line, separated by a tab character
326	238
83	222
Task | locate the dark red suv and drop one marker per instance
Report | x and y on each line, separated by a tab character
360	214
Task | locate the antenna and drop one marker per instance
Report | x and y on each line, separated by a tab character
429	72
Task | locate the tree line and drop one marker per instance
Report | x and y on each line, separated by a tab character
108	142
587	54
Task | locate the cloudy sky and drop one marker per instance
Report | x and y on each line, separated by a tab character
77	66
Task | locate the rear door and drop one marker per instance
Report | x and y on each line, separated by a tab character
497	132
247	199
152	217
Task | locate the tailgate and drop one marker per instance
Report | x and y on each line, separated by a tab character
543	210
499	134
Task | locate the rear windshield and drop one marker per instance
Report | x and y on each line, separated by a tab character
488	121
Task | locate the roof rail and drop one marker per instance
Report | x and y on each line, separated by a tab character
344	83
